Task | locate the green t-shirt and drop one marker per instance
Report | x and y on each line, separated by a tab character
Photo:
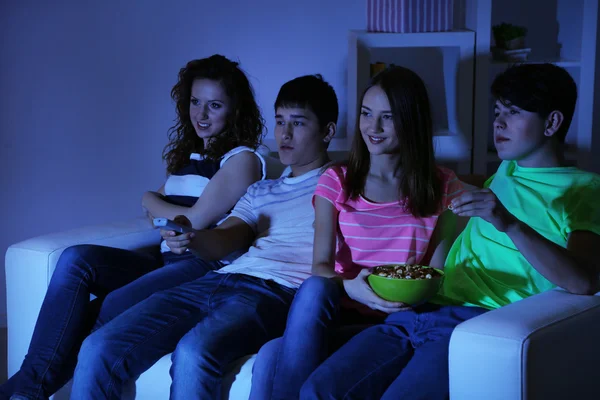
484	268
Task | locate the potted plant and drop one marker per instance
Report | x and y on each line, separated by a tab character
509	36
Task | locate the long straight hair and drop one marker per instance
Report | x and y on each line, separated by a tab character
420	183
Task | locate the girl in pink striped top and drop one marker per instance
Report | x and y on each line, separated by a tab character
387	204
373	233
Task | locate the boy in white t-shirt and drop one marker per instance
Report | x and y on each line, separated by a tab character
227	314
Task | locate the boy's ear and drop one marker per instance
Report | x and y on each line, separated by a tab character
553	122
330	129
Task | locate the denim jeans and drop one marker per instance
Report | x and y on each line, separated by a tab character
316	327
119	279
206	324
406	357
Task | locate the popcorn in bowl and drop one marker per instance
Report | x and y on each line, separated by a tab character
406	271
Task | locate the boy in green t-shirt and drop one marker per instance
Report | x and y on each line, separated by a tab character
539	221
534	226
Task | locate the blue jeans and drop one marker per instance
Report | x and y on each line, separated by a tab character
316	327
67	314
406	357
206	324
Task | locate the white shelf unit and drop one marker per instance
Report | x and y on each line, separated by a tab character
563	33
451	94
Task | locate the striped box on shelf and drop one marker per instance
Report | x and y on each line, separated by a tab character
410	16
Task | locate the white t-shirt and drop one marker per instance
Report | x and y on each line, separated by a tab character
281	214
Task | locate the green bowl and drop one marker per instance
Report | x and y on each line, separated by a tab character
407	291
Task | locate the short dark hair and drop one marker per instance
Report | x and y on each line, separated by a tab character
311	92
538	88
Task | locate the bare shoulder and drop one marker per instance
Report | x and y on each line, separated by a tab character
243	159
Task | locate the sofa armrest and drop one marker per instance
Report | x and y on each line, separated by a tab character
29	265
542	347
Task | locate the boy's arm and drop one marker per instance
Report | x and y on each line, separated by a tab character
572	268
575	268
212	244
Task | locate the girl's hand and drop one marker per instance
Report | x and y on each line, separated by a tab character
178	242
484	204
358	289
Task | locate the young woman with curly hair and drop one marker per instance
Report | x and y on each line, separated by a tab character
211	161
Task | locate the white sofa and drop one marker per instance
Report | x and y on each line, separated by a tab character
544	347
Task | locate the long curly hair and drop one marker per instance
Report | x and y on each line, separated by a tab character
245	124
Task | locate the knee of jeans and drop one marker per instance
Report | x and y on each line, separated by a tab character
267	355
317	295
95	348
72	261
318	288
189	355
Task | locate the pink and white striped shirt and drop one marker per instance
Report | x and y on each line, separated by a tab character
371	234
